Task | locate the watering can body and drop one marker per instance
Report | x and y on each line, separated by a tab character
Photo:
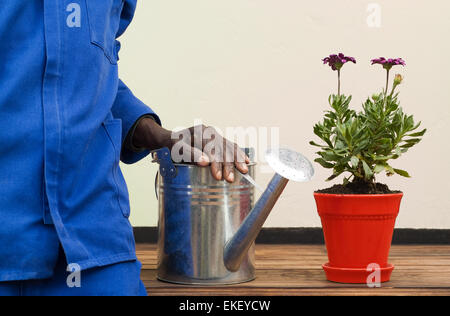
207	228
198	215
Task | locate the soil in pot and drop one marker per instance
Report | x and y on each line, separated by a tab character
358	187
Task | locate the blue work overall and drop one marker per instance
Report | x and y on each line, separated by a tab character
64	116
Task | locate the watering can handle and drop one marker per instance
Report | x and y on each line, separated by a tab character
166	167
156	185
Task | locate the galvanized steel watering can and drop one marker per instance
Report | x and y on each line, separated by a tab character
207	228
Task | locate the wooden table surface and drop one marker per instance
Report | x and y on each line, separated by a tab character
297	270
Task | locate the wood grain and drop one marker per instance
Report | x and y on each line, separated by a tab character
297	270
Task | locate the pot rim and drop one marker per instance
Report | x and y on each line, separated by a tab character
358	195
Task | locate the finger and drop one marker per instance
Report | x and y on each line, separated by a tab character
241	160
242	167
216	170
200	158
228	172
241	156
216	157
229	160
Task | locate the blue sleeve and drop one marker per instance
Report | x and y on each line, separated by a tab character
126	16
127	107
130	109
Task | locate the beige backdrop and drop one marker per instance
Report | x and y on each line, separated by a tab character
258	63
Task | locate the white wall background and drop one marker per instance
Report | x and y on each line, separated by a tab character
258	63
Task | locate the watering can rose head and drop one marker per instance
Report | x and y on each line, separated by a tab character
362	144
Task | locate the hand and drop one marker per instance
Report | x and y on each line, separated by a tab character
200	144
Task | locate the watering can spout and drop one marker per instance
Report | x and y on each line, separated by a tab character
288	165
237	247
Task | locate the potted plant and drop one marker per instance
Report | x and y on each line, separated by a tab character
358	216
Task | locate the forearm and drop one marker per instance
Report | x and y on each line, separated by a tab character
150	135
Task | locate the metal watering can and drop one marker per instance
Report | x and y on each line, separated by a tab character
207	228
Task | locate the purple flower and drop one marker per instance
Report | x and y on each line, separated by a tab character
388	63
337	61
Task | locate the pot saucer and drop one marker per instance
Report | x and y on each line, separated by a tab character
356	276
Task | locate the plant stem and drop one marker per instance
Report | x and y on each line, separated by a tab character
387	87
339	82
393	90
387	81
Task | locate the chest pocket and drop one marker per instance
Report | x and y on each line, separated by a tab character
104	22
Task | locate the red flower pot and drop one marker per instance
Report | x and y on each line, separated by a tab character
358	233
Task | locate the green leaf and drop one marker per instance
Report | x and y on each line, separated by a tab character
413	140
329	156
340	145
323	163
403	173
315	144
355	161
378	168
334	176
368	172
389	170
408	145
419	134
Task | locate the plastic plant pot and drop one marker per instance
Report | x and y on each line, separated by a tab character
358	233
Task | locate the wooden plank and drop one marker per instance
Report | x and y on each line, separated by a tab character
316	278
312	257
301	292
296	270
274	251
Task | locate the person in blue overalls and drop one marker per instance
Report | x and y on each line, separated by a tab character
65	122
